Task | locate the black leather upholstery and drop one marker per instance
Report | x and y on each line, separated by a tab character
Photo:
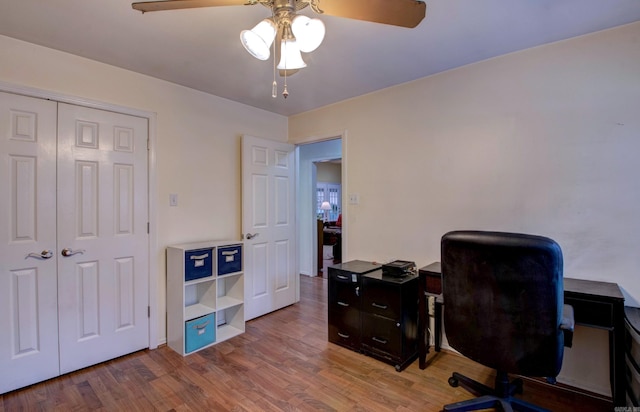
503	297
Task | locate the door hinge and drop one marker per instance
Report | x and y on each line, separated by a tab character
148	228
148	144
149	311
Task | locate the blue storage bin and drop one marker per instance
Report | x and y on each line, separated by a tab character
229	259
199	332
198	263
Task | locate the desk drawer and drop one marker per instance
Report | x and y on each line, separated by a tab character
344	328
349	317
432	277
343	289
381	299
382	334
591	313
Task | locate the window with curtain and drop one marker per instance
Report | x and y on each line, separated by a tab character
332	193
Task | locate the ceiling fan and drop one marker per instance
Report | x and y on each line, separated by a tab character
404	13
297	32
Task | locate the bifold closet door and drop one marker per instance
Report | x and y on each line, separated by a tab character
103	257
74	242
28	280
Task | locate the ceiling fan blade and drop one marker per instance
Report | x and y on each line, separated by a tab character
146	6
404	13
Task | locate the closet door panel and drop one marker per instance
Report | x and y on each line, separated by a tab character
28	280
102	223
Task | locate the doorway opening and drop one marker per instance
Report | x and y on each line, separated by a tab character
329	213
319	169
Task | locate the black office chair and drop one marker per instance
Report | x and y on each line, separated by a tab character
503	308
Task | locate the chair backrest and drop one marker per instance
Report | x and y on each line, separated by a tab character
503	300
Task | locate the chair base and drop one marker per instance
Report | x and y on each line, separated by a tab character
500	398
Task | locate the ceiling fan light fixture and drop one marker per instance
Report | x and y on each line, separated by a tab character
290	57
299	33
257	41
308	32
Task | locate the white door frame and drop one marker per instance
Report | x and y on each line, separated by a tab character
151	188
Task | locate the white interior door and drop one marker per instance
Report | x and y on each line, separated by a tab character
102	235
28	282
71	178
268	224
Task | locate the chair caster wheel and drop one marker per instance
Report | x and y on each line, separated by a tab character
453	382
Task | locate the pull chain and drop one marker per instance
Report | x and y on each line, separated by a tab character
285	92
274	87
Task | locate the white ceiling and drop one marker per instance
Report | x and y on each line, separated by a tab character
200	48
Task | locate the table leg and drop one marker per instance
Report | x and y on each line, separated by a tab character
423	335
438	325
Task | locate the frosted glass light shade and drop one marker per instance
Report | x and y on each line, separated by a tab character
258	40
308	32
290	58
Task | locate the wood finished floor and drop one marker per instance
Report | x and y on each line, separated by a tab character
282	363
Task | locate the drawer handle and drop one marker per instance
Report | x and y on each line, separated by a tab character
201	326
383	341
342	277
343	336
379	306
343	304
200	257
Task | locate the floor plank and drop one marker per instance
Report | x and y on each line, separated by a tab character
282	363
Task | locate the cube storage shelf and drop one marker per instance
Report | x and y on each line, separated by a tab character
205	294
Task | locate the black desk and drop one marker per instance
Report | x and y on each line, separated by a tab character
596	304
601	305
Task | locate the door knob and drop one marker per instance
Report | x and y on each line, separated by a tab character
45	254
251	235
66	252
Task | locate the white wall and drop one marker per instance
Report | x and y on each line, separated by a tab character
307	154
543	141
198	140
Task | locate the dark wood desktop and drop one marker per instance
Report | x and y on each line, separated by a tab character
596	304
